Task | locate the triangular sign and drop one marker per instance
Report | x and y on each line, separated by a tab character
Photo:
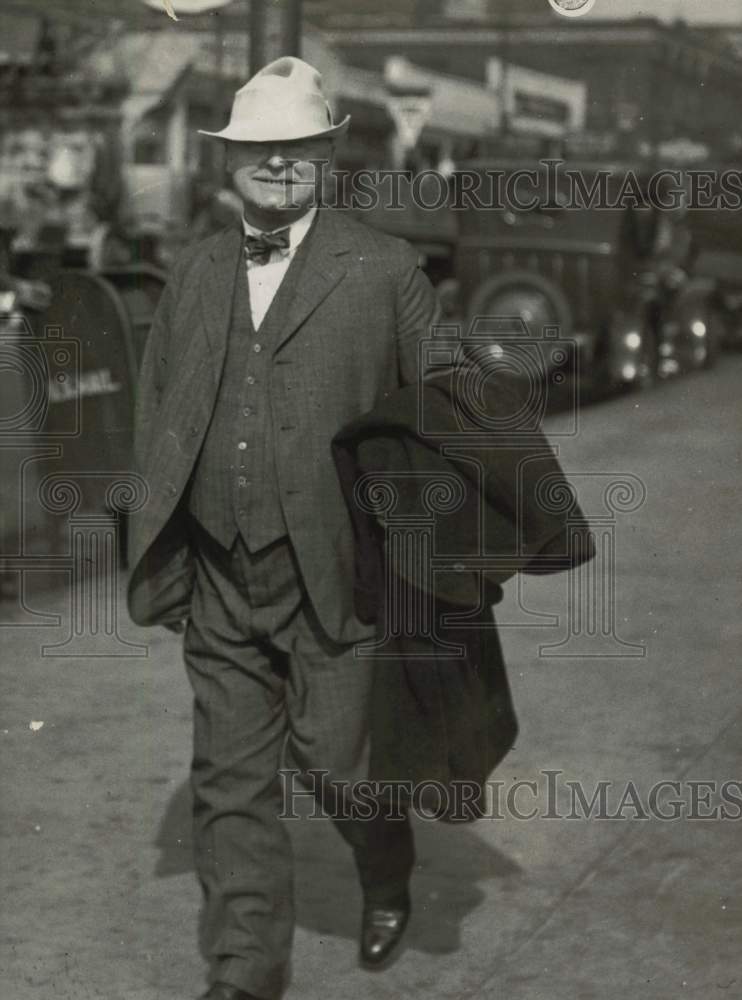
410	113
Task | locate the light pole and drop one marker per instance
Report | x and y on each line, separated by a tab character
275	30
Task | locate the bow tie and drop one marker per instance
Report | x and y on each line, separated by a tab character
259	248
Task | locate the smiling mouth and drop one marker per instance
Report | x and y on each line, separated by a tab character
281	182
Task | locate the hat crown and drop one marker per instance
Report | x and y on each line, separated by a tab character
289	72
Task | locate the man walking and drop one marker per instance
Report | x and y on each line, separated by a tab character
266	342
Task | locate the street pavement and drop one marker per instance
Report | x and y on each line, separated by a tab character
99	897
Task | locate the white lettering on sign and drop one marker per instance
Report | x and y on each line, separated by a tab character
94	383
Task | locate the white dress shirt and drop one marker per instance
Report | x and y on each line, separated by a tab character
264	280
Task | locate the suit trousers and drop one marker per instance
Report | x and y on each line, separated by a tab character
270	688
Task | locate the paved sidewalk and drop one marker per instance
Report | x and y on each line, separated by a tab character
99	895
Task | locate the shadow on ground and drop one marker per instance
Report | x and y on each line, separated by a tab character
451	862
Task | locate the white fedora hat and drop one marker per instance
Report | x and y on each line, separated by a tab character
284	101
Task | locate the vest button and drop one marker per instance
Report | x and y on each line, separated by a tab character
257	348
251	380
247	411
242	445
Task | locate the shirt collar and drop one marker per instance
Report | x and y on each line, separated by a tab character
297	230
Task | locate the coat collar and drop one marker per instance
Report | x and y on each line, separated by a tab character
217	287
323	269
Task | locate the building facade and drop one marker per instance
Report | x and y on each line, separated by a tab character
649	84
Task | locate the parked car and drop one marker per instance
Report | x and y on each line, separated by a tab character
600	288
432	231
718	236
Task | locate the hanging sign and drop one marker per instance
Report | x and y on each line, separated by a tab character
410	113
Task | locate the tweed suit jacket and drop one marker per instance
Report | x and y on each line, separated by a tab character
350	336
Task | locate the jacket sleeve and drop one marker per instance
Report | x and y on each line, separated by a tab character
417	310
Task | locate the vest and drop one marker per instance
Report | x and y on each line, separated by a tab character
234	486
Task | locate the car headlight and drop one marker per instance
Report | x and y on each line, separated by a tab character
528	304
7	302
534	308
632	340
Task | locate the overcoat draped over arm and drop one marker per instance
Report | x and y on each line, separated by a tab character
438	718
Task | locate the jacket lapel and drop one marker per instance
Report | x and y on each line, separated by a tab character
217	291
322	270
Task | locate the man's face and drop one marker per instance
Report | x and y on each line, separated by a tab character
278	181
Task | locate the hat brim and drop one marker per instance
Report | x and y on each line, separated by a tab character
248	133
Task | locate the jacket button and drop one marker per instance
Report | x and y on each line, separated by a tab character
193	431
172	489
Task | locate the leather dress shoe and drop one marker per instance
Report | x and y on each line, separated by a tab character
382	928
223	991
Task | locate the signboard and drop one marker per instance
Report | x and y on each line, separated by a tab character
549	109
682	151
538	103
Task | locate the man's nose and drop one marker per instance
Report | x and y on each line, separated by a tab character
278	158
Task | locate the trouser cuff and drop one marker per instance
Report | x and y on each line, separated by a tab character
264	984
